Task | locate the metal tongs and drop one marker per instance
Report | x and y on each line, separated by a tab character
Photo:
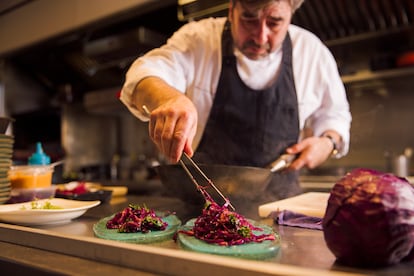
204	176
200	171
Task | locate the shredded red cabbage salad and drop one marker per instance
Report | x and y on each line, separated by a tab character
218	225
135	219
79	189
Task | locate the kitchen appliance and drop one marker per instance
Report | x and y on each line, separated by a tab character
237	182
234	181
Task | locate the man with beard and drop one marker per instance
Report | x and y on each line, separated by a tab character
242	90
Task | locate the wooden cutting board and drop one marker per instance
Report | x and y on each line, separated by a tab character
311	204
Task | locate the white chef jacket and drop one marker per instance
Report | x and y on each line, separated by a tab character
190	61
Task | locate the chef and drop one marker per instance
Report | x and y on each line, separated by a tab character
242	90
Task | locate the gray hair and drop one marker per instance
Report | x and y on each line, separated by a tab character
295	4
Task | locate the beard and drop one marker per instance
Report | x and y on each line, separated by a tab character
255	51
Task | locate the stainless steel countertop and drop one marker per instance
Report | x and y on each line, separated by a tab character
301	249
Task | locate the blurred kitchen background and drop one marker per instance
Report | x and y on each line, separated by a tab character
62	64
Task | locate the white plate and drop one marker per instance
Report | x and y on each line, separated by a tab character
23	214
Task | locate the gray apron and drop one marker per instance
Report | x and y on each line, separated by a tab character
248	127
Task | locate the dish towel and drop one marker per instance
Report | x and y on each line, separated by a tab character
290	218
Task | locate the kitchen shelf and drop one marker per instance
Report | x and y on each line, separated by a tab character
367	75
391	35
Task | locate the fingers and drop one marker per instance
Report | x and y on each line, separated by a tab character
172	132
298	163
188	145
167	135
176	133
312	152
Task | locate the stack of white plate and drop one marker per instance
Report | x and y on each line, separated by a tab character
6	153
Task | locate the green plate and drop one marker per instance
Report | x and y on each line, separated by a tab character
101	231
256	251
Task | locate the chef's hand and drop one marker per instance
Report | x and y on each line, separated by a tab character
173	126
311	152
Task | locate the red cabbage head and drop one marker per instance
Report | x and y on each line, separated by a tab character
369	220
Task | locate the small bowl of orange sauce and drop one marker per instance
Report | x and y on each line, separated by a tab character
30	176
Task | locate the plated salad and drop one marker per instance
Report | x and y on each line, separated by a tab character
135	218
36	205
218	225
